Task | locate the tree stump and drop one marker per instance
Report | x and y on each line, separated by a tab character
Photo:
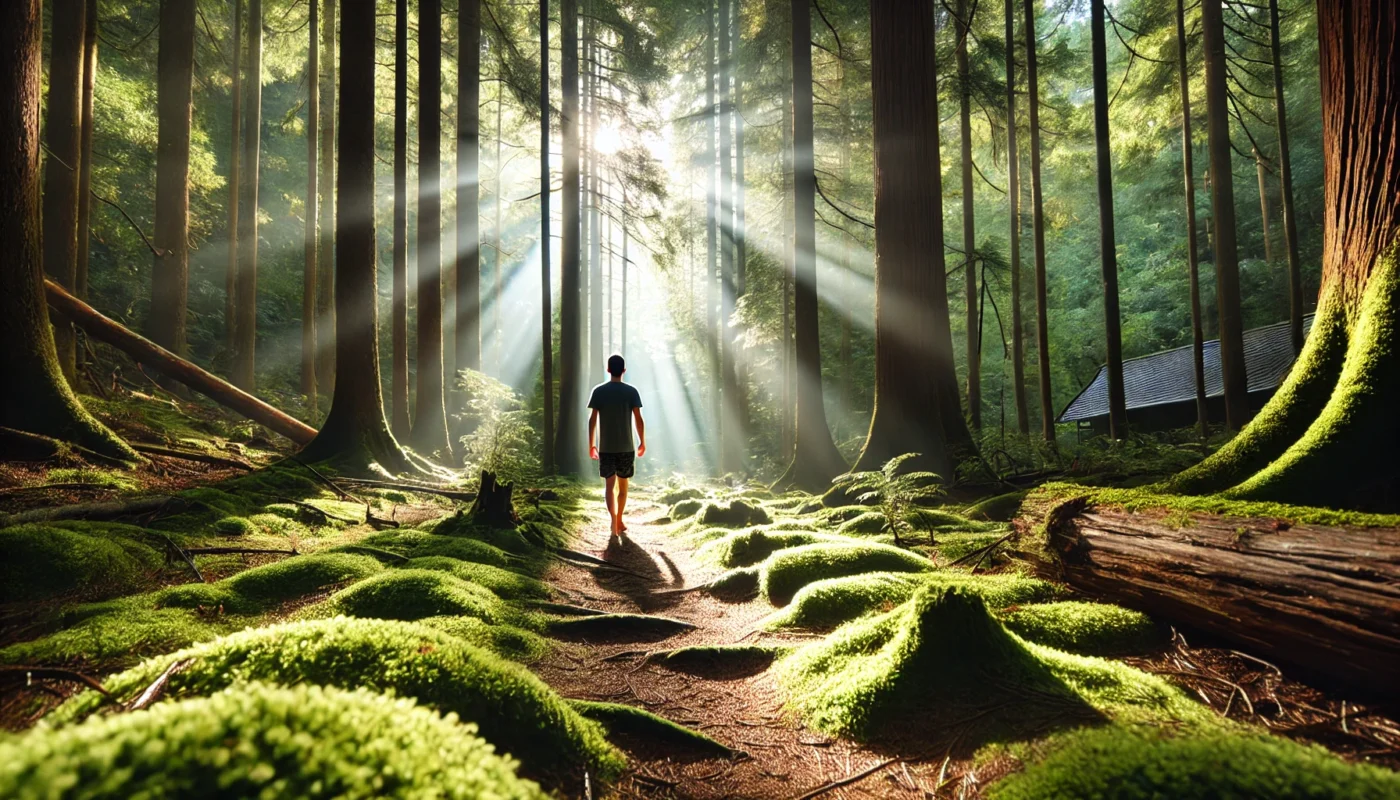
493	504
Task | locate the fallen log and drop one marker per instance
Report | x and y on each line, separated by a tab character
146	352
92	511
1323	599
191	455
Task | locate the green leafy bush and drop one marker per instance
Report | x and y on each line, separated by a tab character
786	571
43	561
502	439
897	493
262	741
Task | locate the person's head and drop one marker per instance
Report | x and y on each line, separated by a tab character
616	366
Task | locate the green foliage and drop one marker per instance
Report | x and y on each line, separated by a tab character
644	725
92	477
1131	763
418	544
502	582
749	547
263	588
262	741
502	440
1090	628
896	493
786	571
828	603
410	594
507	641
45	561
514	710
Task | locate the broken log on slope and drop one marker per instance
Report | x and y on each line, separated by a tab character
1323	599
146	352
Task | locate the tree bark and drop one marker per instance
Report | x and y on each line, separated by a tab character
246	309
235	175
328	270
1285	172
731	417
309	244
962	24
80	278
63	140
1042	316
547	462
1222	192
712	234
398	378
468	325
497	259
40	400
355	432
174	82
1108	247
1260	169
593	236
1013	195
567	438
493	506
1198	360
430	405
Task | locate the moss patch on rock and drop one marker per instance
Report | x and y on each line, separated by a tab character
787	571
1091	628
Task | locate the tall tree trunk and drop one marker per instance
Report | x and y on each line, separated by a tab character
783	12
325	289
815	458
80	278
40	400
1042	316
355	432
468	327
398	324
1285	172
594	237
309	268
1198	360
1222	201
430	409
913	341
963	23
1260	169
731	430
174	80
622	324
567	451
64	142
741	247
245	312
1013	195
547	462
711	122
1108	245
235	177
497	260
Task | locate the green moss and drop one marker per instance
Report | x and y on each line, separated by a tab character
502	582
833	517
43	561
828	603
234	526
930	519
120	633
869	522
1001	508
91	477
263	588
685	509
417	544
626	720
508	539
1146	499
677	495
262	741
749	547
736	583
786	571
410	594
515	711
953	546
1090	628
1129	763
733	514
507	641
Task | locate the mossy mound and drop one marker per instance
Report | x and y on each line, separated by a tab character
1091	628
828	603
734	514
515	711
262	741
677	495
685	509
44	561
869	522
741	583
833	517
110	479
747	548
508	539
617	627
1001	508
638	723
1123	763
508	641
787	571
412	594
234	526
262	588
939	521
502	582
418	544
119	633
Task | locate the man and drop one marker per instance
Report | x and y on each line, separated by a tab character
615	406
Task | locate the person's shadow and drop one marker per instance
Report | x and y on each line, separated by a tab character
643	577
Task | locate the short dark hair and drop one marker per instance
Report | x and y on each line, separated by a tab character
616	366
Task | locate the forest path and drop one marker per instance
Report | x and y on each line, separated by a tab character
741	708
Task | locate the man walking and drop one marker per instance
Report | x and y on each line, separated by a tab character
615	405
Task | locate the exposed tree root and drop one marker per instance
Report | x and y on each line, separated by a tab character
629	721
93	511
618	627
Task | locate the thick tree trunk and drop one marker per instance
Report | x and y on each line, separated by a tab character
712	234
732	435
245	314
468	325
40	400
430	404
1013	196
815	458
962	24
398	324
328	269
355	432
235	175
148	353
1108	247
1198	360
1318	598
1222	196
497	260
593	236
1042	324
80	277
174	81
1285	173
309	245
567	438
1260	169
547	462
63	140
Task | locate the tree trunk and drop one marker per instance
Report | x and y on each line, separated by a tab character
567	454
235	175
80	278
430	405
1222	197
468	326
308	283
1013	195
547	462
962	24
594	231
46	404
245	313
1260	169
170	275
492	506
398	323
1318	598
711	160
1193	268
63	140
355	433
497	259
1108	247
328	270
1042	316
783	11
1285	172
731	417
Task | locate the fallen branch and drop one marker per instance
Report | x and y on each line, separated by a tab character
229	551
28	674
95	511
455	494
848	780
983	552
326	515
157	687
184	555
190	455
25	446
344	495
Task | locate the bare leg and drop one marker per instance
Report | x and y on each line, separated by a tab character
621	503
609	482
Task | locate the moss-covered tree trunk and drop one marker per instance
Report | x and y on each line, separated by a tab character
174	81
309	238
568	437
815	458
355	433
1323	438
245	312
37	399
398	379
1013	196
1042	315
468	324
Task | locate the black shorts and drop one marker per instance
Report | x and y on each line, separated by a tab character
620	464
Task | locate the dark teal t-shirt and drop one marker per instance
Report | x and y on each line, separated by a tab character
614	401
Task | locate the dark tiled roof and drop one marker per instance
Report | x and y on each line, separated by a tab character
1168	377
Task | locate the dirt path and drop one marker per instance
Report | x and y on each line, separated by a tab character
741	708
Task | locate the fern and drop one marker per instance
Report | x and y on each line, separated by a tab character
896	493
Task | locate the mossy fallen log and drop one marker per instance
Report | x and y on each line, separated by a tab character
1322	599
